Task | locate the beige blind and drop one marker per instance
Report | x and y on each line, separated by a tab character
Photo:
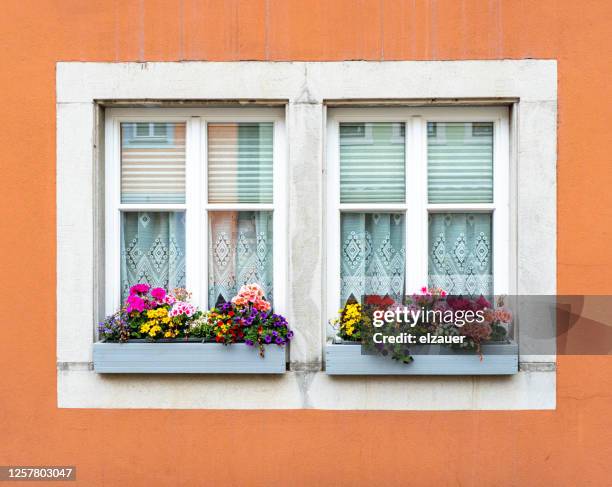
152	162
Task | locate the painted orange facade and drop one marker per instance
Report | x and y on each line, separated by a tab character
569	446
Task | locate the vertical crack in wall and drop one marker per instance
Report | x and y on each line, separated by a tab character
304	381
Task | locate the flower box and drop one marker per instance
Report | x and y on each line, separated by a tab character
497	359
157	331
186	357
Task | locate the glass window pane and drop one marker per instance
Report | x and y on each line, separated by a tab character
239	252
152	162
152	249
240	162
461	253
372	163
373	255
460	162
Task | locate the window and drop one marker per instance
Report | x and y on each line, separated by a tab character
148	134
531	87
423	200
195	198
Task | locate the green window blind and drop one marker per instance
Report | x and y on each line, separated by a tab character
240	157
372	163
460	162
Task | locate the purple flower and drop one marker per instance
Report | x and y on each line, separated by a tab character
268	339
289	335
249	343
279	341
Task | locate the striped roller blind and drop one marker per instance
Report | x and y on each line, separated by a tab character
372	162
460	162
152	162
240	159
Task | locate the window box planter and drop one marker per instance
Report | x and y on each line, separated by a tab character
186	357
497	359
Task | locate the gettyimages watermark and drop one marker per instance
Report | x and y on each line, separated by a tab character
436	323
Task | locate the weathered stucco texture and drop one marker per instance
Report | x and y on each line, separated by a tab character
571	445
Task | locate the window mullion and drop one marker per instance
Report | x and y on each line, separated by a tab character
416	195
500	217
193	247
202	213
333	215
113	215
279	219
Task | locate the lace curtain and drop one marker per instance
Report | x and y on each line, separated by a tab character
240	252
373	255
152	250
460	254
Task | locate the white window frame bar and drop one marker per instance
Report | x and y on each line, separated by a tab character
416	208
196	195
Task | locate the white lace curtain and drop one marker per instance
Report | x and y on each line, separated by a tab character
460	253
240	252
152	250
373	255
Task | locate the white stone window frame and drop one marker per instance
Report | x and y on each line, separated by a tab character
305	90
196	206
416	207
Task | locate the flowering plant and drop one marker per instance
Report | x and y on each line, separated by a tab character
350	322
248	318
152	314
493	326
430	313
499	318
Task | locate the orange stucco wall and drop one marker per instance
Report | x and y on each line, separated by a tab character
569	446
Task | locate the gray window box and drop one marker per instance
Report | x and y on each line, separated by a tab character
497	359
188	357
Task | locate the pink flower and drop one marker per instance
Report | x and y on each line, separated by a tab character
261	305
423	289
169	299
253	295
481	303
255	289
182	308
503	315
443	293
159	293
489	316
477	332
135	303
142	288
441	306
459	303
